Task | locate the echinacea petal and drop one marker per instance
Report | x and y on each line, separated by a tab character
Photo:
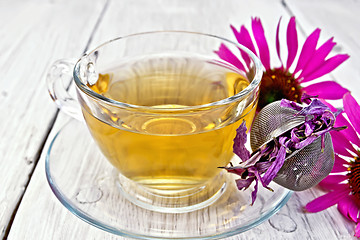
328	66
334	179
339	168
292	42
246	58
254	193
357	230
290	104
340	150
243	37
348	207
349	132
331	186
316	107
240	141
326	201
341	144
340	164
352	110
326	90
305	142
341	121
270	174
308	50
332	108
278	42
225	54
244	183
318	58
341	161
261	42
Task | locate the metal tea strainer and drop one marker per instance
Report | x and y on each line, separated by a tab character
303	168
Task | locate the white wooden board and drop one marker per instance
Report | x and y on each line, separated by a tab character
41	215
338	19
32	35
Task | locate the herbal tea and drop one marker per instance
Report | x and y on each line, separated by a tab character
174	149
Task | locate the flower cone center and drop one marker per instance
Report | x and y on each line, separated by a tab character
354	178
277	84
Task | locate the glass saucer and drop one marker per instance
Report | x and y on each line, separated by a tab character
85	183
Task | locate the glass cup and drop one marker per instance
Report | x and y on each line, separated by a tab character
163	107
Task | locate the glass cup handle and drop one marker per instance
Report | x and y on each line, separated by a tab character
59	76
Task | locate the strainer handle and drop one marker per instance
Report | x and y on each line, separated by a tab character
59	76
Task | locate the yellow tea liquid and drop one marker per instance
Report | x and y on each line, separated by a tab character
168	150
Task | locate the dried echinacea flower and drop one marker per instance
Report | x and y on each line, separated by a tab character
291	145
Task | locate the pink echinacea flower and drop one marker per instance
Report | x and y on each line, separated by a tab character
343	183
281	82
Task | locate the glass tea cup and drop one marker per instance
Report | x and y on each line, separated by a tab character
163	108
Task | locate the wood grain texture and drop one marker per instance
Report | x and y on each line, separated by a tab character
126	17
42	216
338	19
32	35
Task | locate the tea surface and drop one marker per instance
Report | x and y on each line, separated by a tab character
170	150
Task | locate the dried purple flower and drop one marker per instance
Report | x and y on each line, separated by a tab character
264	163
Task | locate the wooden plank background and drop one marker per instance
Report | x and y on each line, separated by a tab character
33	35
36	33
